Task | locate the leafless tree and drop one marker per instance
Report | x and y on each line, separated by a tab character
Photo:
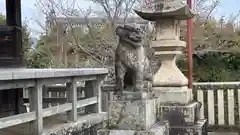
69	9
205	8
113	9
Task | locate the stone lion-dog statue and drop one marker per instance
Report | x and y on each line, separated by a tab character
132	64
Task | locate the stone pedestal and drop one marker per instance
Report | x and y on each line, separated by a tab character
173	95
129	95
199	128
179	114
134	113
157	129
183	117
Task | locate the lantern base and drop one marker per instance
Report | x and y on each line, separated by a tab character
173	95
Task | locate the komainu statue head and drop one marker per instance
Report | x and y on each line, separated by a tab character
131	34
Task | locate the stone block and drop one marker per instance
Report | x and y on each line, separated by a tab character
132	114
200	128
130	95
179	114
173	95
157	129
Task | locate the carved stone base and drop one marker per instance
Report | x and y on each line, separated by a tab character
179	114
157	129
129	95
200	128
173	95
132	114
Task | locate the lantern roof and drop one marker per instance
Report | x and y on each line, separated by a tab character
166	9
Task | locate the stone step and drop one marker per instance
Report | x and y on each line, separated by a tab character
179	114
200	128
158	129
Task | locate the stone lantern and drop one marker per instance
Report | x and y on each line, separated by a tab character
174	99
169	83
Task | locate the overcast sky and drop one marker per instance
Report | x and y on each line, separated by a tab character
30	13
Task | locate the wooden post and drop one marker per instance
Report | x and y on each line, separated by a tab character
13	18
72	98
35	100
93	88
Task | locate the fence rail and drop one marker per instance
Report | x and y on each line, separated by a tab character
220	104
37	84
